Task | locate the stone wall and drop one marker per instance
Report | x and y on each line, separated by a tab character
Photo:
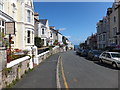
3	59
17	68
43	56
14	73
3	62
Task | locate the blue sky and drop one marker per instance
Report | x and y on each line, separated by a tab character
77	20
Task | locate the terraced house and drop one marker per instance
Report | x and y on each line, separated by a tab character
108	29
21	12
44	31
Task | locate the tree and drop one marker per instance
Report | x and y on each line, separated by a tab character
39	42
83	45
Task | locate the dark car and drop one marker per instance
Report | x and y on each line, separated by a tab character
78	51
84	52
94	54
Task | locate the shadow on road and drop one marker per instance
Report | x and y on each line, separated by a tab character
98	63
105	65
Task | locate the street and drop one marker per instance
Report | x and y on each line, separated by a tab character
79	73
83	73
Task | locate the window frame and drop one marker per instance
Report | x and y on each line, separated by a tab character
28	16
43	31
28	37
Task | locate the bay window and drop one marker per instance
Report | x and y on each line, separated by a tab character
28	16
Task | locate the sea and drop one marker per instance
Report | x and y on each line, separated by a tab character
76	46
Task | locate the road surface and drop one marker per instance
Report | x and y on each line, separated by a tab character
82	73
78	72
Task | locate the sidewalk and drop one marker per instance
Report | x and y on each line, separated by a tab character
43	76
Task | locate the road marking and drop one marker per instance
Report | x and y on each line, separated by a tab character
57	74
63	76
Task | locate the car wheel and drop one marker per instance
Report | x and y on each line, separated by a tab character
114	65
93	58
100	61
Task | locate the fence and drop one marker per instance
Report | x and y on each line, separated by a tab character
17	68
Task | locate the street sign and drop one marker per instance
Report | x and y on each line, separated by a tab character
10	28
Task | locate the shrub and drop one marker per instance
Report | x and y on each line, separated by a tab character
38	42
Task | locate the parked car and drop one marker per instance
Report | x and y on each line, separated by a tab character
84	52
94	54
78	51
112	58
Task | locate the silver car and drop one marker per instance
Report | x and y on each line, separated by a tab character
112	58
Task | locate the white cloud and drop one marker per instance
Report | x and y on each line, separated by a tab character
62	29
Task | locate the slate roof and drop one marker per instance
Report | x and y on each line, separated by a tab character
43	21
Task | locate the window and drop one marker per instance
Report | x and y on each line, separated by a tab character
2	26
1	4
104	54
3	23
51	34
2	31
13	10
115	55
114	31
108	55
43	41
28	37
42	31
32	36
103	37
28	15
103	45
114	19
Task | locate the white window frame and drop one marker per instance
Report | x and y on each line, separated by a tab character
1	4
28	16
28	37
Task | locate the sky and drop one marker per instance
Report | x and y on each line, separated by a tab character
76	20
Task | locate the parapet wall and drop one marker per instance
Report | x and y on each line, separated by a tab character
15	70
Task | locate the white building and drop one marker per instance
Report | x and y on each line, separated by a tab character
60	38
22	13
44	31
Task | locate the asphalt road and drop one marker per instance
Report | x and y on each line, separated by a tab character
78	71
83	73
43	76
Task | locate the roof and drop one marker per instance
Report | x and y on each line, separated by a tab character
36	14
59	33
43	21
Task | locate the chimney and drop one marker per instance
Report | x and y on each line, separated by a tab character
109	11
52	27
36	15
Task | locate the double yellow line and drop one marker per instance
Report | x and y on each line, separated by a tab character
63	75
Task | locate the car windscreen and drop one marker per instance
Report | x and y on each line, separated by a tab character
97	52
115	55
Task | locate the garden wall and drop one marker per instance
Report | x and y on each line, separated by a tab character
14	70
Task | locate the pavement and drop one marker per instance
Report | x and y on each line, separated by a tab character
43	76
